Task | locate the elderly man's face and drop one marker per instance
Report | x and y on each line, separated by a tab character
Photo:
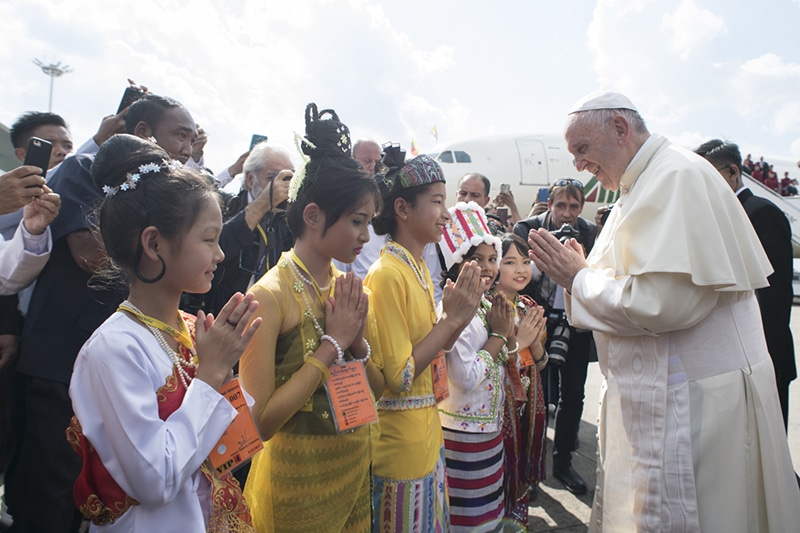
368	155
277	172
595	149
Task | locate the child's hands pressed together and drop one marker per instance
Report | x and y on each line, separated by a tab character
221	340
531	328
501	316
460	299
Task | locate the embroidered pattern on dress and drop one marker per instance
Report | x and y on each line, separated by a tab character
405	403
407	376
478	417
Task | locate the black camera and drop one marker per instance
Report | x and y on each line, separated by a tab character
566	232
558	342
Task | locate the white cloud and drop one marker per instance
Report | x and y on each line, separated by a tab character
690	26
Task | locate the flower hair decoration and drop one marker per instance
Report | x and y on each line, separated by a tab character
132	178
326	138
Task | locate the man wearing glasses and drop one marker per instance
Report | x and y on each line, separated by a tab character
569	349
690	434
255	233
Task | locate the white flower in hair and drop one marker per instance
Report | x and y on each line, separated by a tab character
109	191
173	164
149	167
130	182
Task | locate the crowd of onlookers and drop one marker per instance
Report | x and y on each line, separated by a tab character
765	173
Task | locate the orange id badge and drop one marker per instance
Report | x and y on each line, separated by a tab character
515	380
348	393
441	389
525	358
241	440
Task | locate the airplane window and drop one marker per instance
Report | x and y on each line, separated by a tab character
446	157
463	157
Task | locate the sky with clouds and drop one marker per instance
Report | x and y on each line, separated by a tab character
393	70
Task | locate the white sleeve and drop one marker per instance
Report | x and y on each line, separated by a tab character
647	304
89	147
113	393
22	258
224	177
466	368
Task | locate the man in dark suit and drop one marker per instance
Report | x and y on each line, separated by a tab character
775	234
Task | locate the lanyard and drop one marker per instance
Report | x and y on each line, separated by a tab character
181	336
263	233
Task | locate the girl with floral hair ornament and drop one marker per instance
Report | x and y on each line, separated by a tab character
144	386
310	477
409	484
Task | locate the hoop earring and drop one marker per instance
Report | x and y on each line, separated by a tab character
150	280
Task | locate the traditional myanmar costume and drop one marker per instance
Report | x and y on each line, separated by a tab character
409	487
472	415
472	418
691	436
144	429
308	477
524	432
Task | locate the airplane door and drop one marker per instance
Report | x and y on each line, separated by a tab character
532	162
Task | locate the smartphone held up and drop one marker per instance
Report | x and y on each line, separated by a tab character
38	154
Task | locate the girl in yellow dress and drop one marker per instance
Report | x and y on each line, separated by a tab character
409	486
309	477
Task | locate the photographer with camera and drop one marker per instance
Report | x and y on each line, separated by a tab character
569	349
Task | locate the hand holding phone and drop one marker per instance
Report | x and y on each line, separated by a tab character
130	95
38	154
502	213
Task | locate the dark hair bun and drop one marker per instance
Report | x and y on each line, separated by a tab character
122	154
327	137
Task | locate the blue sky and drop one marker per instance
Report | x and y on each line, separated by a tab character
695	68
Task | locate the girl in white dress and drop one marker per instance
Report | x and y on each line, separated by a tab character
144	387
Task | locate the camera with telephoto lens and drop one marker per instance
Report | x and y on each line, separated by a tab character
558	343
566	232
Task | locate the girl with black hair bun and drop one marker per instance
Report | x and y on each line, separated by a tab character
310	477
144	386
409	483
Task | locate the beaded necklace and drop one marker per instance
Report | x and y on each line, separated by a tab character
399	252
180	363
300	281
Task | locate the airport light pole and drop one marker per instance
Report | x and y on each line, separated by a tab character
54	70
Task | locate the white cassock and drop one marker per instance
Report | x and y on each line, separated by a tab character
691	436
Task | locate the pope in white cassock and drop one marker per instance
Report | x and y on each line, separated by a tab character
690	432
